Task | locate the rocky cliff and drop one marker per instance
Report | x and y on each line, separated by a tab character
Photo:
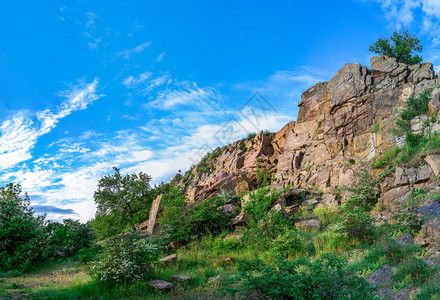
347	119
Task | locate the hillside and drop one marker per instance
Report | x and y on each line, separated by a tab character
341	204
347	126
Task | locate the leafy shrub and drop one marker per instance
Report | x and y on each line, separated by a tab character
408	221
330	241
262	175
287	245
387	251
260	202
220	245
250	136
413	269
65	239
365	193
328	277
124	259
21	234
186	223
86	255
259	234
325	215
356	223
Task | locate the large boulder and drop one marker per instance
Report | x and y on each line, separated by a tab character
308	224
381	279
155	211
161	284
241	220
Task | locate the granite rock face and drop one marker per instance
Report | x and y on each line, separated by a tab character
335	124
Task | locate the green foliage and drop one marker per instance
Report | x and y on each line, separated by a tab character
260	202
126	199
27	241
387	251
325	278
266	132
183	223
226	197
262	175
21	234
124	259
326	215
356	223
250	136
388	158
366	191
86	255
408	221
414	270
375	128
288	245
67	238
400	46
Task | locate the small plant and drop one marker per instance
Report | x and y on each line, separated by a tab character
250	136
375	128
262	175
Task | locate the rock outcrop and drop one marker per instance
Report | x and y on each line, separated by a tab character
348	118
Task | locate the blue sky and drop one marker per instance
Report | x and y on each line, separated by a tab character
151	85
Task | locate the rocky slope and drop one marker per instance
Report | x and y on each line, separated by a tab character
346	119
343	126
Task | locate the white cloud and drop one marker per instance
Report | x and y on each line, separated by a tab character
160	57
193	96
126	54
401	14
131	81
20	132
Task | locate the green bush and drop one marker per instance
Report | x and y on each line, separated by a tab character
86	255
287	245
260	202
333	242
326	215
183	223
387	251
414	270
124	259
250	136
356	223
328	277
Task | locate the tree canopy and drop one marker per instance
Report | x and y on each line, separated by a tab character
400	46
122	200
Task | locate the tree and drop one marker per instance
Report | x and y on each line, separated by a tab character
399	46
21	234
127	197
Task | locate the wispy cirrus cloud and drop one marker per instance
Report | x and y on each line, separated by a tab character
160	57
190	96
21	130
126	54
132	81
